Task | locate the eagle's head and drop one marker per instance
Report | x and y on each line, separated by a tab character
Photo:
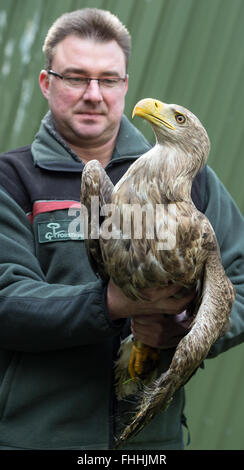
176	126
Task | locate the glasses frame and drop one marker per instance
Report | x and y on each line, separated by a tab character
88	79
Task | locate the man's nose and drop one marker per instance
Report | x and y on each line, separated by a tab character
93	92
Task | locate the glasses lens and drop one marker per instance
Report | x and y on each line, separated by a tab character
76	82
83	82
109	82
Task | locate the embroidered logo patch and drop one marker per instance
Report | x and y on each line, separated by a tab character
57	232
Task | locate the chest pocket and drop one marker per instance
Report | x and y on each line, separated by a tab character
60	247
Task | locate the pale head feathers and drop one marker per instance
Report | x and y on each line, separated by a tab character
177	127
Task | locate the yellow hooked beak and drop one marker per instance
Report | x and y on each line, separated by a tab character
153	111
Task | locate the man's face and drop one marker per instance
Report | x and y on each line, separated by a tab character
92	116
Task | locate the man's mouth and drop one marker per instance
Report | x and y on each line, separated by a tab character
89	111
90	114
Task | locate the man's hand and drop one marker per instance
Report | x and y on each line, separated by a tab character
160	301
161	331
149	323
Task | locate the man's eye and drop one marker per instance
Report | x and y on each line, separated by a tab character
76	81
108	81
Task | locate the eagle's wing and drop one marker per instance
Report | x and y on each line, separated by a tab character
96	190
218	296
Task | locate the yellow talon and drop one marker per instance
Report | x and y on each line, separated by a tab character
139	355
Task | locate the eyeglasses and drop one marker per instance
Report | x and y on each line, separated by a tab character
82	83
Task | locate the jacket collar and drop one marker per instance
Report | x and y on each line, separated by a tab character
51	152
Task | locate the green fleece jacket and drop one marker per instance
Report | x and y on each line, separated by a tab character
58	343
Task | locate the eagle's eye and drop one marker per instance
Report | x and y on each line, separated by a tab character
180	118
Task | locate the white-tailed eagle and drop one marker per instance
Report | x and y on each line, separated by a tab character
177	244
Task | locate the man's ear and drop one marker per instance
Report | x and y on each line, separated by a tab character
44	83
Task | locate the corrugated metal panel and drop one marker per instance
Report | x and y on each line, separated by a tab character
188	52
214	406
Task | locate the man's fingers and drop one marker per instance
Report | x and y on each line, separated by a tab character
179	305
162	332
156	293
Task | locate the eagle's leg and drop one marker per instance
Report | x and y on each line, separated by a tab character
213	315
141	357
134	367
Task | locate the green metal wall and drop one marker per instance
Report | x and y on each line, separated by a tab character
189	52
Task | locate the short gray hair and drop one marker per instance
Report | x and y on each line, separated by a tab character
89	23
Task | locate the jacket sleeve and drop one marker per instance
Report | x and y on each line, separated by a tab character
37	316
228	224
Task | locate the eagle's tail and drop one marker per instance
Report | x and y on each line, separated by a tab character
159	395
155	398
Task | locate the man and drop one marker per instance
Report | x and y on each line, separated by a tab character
60	326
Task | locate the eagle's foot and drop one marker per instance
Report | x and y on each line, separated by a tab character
135	367
142	360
